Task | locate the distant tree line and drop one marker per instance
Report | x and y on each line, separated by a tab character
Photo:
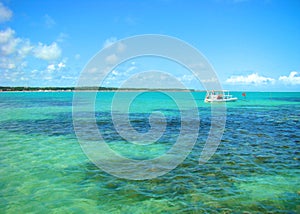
85	88
23	88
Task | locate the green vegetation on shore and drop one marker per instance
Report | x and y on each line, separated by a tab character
22	88
87	88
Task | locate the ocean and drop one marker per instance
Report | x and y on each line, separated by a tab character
255	169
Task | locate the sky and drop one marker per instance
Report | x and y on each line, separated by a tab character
253	45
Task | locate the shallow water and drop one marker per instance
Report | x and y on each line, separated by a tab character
255	169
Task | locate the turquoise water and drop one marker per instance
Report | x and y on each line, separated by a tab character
255	169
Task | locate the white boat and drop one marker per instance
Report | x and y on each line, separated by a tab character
219	96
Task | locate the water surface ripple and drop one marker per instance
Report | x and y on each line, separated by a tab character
255	169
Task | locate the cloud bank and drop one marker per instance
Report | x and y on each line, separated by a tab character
21	60
293	78
14	50
253	78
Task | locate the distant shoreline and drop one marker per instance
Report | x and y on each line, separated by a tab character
89	89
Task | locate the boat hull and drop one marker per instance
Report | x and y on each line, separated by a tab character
220	100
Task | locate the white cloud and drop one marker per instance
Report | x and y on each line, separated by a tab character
187	78
47	52
293	78
130	69
12	50
210	80
108	42
24	78
10	46
5	13
121	47
6	35
14	47
92	70
49	78
111	59
56	67
115	73
7	63
68	77
250	79
25	49
112	40
11	66
51	67
61	65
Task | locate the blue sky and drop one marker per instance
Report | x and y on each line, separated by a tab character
252	44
